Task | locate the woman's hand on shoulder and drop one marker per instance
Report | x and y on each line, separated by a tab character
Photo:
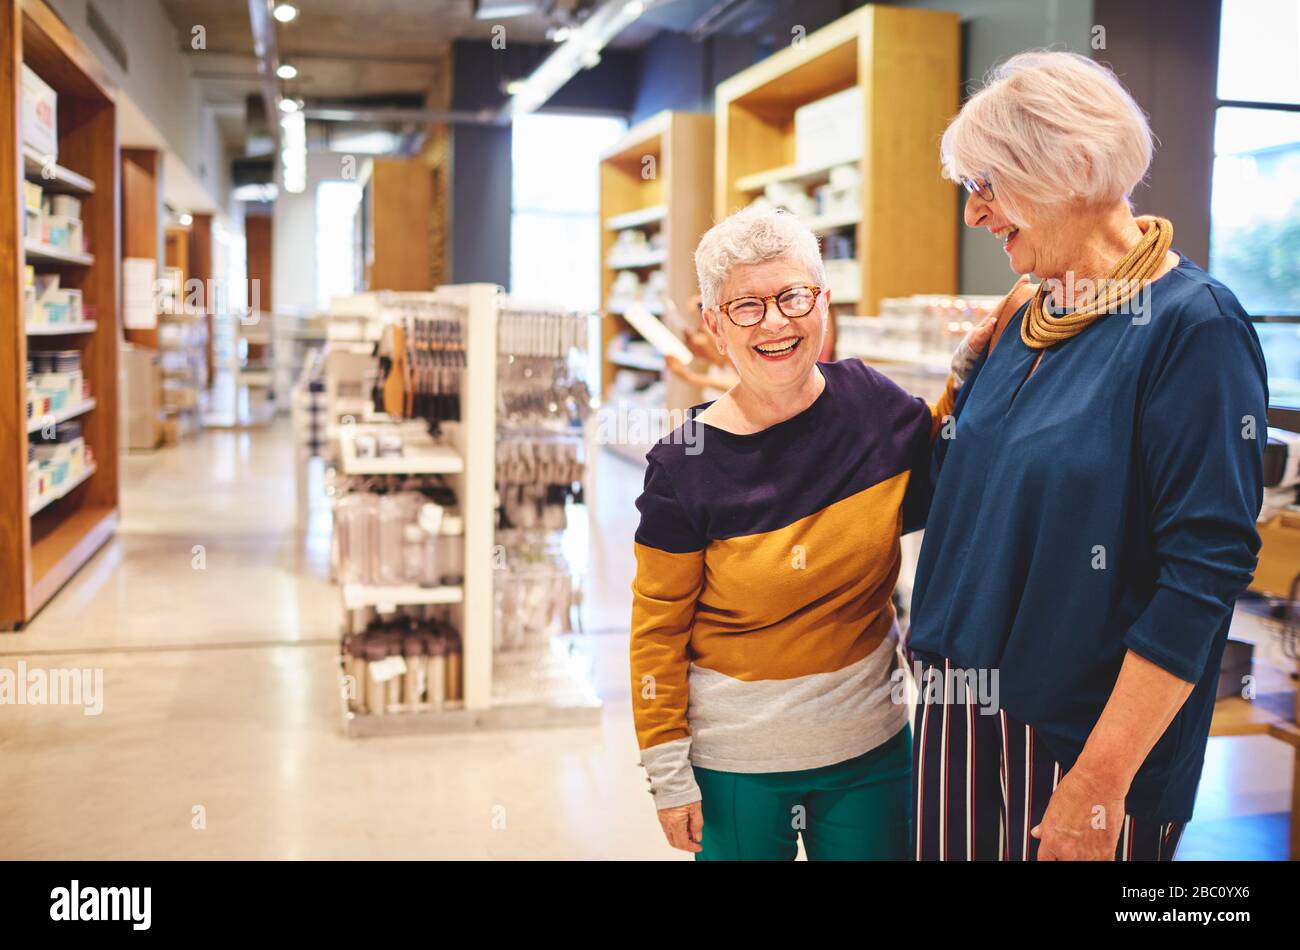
683	826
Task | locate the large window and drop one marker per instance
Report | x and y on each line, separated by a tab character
555	227
1255	210
336	206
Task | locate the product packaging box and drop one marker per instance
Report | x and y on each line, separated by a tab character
830	130
40	115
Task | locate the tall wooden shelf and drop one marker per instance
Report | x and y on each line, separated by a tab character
393	224
906	62
40	552
657	178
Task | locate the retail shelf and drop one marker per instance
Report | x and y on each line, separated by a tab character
36	423
640	261
830	222
790	174
53	177
651	364
635	219
420	458
387	599
60	491
61	329
40	253
620	307
900	355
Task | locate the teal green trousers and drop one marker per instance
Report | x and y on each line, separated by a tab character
859	810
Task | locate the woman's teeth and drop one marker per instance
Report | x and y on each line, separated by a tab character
1006	233
774	349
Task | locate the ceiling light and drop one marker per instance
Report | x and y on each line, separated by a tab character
560	34
286	71
285	12
288	105
293	152
186	219
580	48
514	87
504	9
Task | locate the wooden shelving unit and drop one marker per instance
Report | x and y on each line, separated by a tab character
393	224
906	62
658	179
44	541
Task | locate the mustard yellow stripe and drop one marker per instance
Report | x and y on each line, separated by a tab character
664	595
826	578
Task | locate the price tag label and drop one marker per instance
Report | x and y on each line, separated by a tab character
390	667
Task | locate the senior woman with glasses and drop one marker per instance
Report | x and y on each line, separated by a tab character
1094	517
763	636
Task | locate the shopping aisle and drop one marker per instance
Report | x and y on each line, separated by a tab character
220	729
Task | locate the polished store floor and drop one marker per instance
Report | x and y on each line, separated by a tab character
215	625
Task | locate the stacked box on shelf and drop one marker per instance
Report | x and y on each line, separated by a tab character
62	139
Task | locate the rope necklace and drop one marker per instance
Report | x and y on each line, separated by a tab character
1130	274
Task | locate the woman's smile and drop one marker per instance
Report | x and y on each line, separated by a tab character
780	349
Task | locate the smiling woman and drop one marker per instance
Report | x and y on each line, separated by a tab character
763	632
1125	429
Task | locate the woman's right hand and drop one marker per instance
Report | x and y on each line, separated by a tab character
683	826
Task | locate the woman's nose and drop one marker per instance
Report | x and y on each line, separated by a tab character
975	212
773	318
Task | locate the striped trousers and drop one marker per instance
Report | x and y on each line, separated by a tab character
980	782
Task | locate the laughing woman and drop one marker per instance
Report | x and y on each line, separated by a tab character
763	636
1094	517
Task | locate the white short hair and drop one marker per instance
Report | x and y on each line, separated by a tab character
1050	127
753	235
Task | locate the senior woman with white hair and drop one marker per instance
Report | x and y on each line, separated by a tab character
1094	516
763	636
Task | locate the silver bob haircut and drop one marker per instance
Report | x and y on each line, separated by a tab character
753	235
1050	127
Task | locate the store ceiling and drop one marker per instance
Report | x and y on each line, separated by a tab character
375	52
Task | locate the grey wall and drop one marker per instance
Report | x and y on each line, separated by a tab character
1146	44
993	30
479	215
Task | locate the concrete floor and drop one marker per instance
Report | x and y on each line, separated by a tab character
220	733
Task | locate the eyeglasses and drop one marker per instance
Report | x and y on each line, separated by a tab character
978	186
793	302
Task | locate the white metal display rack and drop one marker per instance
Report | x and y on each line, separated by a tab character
467	459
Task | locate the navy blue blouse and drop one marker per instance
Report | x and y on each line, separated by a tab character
1104	503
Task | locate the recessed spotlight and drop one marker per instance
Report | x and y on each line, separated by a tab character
186	219
561	34
285	12
591	59
288	105
515	86
286	71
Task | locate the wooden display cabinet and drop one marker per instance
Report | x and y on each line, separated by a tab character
906	63
43	542
657	180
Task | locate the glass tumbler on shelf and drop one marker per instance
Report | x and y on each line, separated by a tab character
430	527
387	564
451	551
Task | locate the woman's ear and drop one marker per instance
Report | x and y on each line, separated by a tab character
710	318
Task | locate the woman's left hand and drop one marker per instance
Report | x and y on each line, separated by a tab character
1082	821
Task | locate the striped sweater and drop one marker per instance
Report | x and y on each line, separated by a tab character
763	635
